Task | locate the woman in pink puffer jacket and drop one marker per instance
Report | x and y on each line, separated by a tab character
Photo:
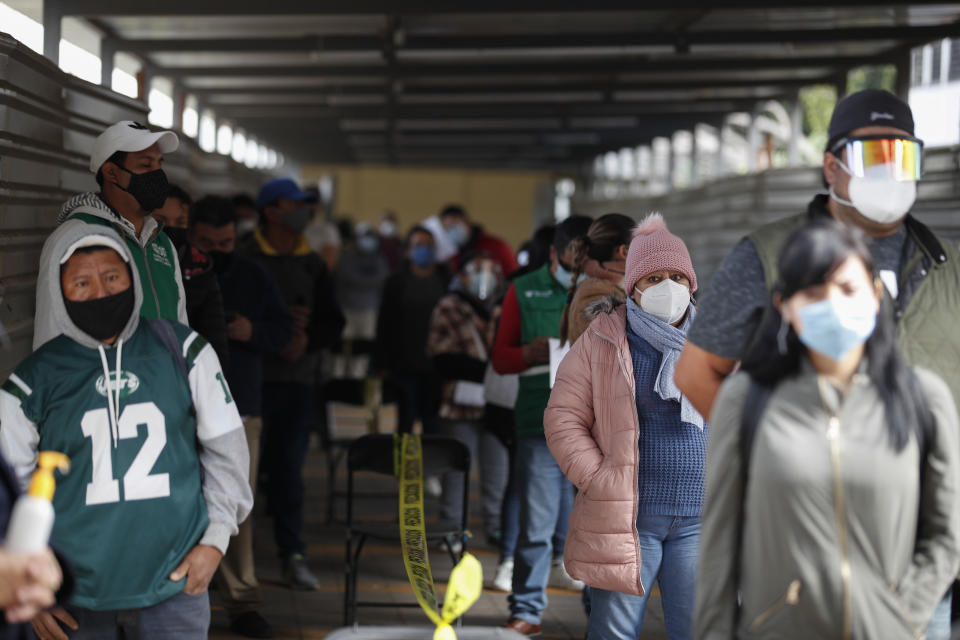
633	445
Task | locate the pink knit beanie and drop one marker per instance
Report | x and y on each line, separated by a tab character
654	248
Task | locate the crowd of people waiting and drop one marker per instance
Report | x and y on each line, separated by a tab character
779	454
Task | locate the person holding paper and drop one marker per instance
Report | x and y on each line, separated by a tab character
633	445
531	316
458	343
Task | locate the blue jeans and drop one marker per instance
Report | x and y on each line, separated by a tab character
183	617
939	627
543	492
669	547
510	514
287	421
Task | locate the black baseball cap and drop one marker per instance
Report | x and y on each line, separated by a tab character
868	108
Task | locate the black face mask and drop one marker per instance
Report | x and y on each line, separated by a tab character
177	235
102	318
149	189
221	260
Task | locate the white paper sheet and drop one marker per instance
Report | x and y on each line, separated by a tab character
557	353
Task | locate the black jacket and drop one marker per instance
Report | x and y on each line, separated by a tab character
248	291
402	329
303	280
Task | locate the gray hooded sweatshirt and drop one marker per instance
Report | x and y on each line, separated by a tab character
151	250
192	422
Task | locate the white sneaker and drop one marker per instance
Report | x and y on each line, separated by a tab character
503	579
432	486
560	579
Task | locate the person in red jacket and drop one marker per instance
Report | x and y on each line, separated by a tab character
471	238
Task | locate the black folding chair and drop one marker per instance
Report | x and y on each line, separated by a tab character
375	453
353	392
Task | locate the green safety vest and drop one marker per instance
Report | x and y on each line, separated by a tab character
156	265
927	328
541	300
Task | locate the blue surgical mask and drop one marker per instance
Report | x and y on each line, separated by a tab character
834	326
458	234
565	278
423	255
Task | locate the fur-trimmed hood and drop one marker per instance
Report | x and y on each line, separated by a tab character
603	305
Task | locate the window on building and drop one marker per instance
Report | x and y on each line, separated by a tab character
191	119
916	67
224	139
239	149
953	73
936	51
208	132
161	108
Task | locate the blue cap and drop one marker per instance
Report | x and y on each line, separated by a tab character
284	188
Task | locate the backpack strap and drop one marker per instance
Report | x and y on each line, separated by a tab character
163	329
756	402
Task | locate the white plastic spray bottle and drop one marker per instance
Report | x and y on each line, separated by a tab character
32	519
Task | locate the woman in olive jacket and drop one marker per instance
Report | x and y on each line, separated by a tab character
832	504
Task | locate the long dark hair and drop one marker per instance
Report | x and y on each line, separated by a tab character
604	236
809	256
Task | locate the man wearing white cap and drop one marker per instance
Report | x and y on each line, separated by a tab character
127	159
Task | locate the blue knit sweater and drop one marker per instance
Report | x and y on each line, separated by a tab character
672	452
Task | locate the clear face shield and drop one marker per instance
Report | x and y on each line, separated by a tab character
484	278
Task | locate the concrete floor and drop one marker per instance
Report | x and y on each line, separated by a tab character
315	614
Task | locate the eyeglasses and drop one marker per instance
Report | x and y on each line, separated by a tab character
878	157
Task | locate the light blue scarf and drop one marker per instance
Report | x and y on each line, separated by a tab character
669	341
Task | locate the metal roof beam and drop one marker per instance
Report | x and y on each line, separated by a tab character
600	68
400	7
543	41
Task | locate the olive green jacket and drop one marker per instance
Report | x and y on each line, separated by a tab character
928	306
842	536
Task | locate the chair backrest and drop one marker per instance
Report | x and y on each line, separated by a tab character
375	453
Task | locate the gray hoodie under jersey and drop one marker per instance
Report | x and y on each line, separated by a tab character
151	251
221	444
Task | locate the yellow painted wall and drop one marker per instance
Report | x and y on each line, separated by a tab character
502	201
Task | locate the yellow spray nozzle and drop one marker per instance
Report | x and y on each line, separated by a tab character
42	484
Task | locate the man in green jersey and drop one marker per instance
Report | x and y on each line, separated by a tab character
127	160
159	458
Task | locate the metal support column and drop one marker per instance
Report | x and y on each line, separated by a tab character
179	104
796	132
108	52
695	177
902	63
753	140
52	20
719	170
144	80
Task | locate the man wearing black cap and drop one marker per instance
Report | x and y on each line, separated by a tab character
871	167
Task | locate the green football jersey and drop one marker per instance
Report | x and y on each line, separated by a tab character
132	505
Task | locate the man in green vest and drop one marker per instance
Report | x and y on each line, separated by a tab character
871	166
127	160
530	317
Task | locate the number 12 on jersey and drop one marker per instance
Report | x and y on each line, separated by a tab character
138	482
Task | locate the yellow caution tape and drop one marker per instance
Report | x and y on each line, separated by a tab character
466	579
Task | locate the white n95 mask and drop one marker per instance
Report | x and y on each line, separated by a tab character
877	196
667	300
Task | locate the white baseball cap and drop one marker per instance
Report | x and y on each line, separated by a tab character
128	135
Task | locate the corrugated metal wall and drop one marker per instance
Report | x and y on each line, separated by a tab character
711	219
48	120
